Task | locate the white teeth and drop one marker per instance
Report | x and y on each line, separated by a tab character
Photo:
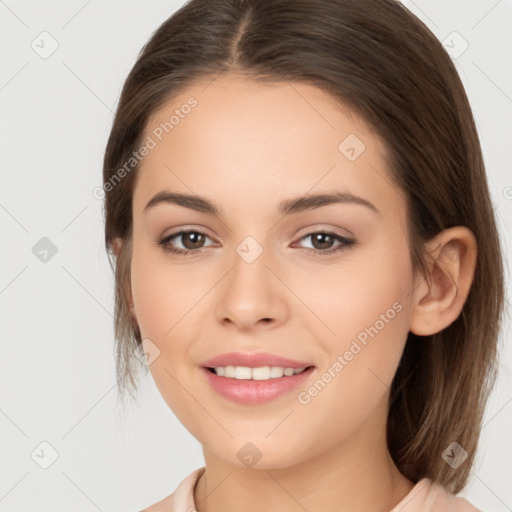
260	373
276	371
242	372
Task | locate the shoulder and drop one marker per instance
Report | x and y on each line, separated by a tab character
162	506
182	498
428	496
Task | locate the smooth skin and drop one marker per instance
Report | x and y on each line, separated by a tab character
246	146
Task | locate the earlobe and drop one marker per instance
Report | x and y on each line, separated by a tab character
117	243
451	259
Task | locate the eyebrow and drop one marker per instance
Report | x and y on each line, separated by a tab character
285	207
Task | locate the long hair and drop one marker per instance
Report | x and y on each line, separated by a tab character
378	58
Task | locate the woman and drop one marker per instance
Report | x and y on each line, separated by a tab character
306	254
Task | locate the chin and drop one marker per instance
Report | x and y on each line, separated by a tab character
259	454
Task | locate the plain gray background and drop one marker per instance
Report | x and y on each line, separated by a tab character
57	365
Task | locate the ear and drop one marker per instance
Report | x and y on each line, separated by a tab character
451	258
117	244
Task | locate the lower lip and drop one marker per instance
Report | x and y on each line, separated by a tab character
253	392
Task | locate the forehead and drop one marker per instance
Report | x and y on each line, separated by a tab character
241	142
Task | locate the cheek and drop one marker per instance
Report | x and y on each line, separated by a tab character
354	380
166	297
163	293
369	321
371	305
372	288
163	296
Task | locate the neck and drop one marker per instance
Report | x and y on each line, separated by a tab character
356	475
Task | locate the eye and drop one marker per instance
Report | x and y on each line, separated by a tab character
322	240
191	241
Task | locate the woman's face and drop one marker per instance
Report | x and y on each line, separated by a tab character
325	283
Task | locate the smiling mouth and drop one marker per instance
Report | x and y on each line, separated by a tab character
261	373
255	385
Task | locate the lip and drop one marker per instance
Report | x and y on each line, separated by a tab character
254	360
254	392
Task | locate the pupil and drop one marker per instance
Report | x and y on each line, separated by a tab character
319	237
197	236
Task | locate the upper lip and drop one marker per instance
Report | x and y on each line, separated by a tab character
254	360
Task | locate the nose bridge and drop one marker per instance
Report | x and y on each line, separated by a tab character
250	250
249	293
249	274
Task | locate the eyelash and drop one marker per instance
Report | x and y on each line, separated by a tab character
345	243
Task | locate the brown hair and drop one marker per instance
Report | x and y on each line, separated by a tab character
379	59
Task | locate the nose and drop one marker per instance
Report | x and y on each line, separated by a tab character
251	296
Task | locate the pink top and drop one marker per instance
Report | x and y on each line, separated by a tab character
425	496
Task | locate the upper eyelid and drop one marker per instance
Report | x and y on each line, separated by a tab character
184	231
314	228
